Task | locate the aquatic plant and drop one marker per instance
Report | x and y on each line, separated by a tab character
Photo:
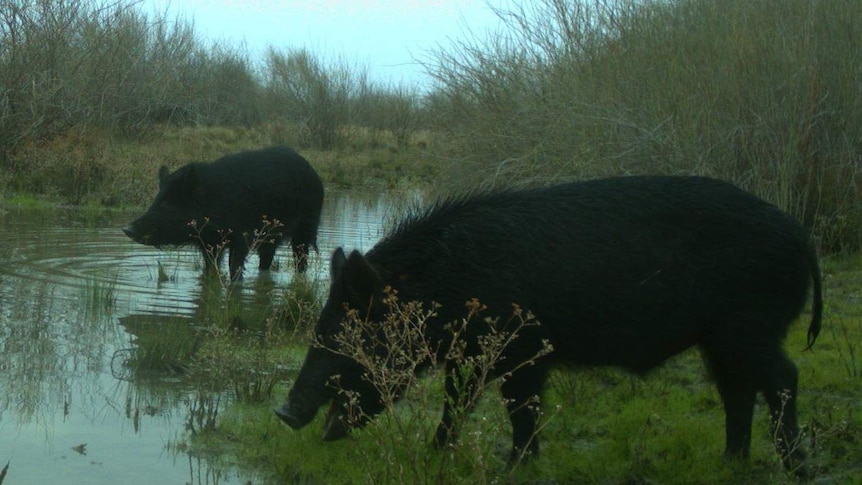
100	294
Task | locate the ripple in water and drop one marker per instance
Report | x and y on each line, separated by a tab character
57	389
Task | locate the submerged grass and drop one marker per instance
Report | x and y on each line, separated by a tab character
100	294
159	344
600	425
246	348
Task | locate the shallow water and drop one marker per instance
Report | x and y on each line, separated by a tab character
68	413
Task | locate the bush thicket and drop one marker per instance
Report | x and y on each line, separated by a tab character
763	93
76	64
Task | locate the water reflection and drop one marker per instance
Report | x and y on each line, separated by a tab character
77	297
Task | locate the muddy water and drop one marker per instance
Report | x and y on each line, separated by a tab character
68	412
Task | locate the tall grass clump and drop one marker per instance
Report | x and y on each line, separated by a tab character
847	345
761	93
100	295
248	366
251	353
159	345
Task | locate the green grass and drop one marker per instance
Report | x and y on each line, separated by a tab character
25	201
600	425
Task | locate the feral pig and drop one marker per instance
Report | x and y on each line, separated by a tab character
254	198
625	272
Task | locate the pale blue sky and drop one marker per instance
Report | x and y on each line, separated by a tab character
386	36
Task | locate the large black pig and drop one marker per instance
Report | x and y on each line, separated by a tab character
241	200
620	272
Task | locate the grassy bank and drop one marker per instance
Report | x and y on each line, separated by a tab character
93	167
600	425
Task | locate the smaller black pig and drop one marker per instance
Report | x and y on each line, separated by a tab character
223	204
624	272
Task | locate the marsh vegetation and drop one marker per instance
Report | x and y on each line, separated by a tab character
96	95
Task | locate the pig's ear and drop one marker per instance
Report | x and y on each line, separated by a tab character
360	278
336	264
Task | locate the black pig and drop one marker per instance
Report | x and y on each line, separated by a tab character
620	272
223	204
